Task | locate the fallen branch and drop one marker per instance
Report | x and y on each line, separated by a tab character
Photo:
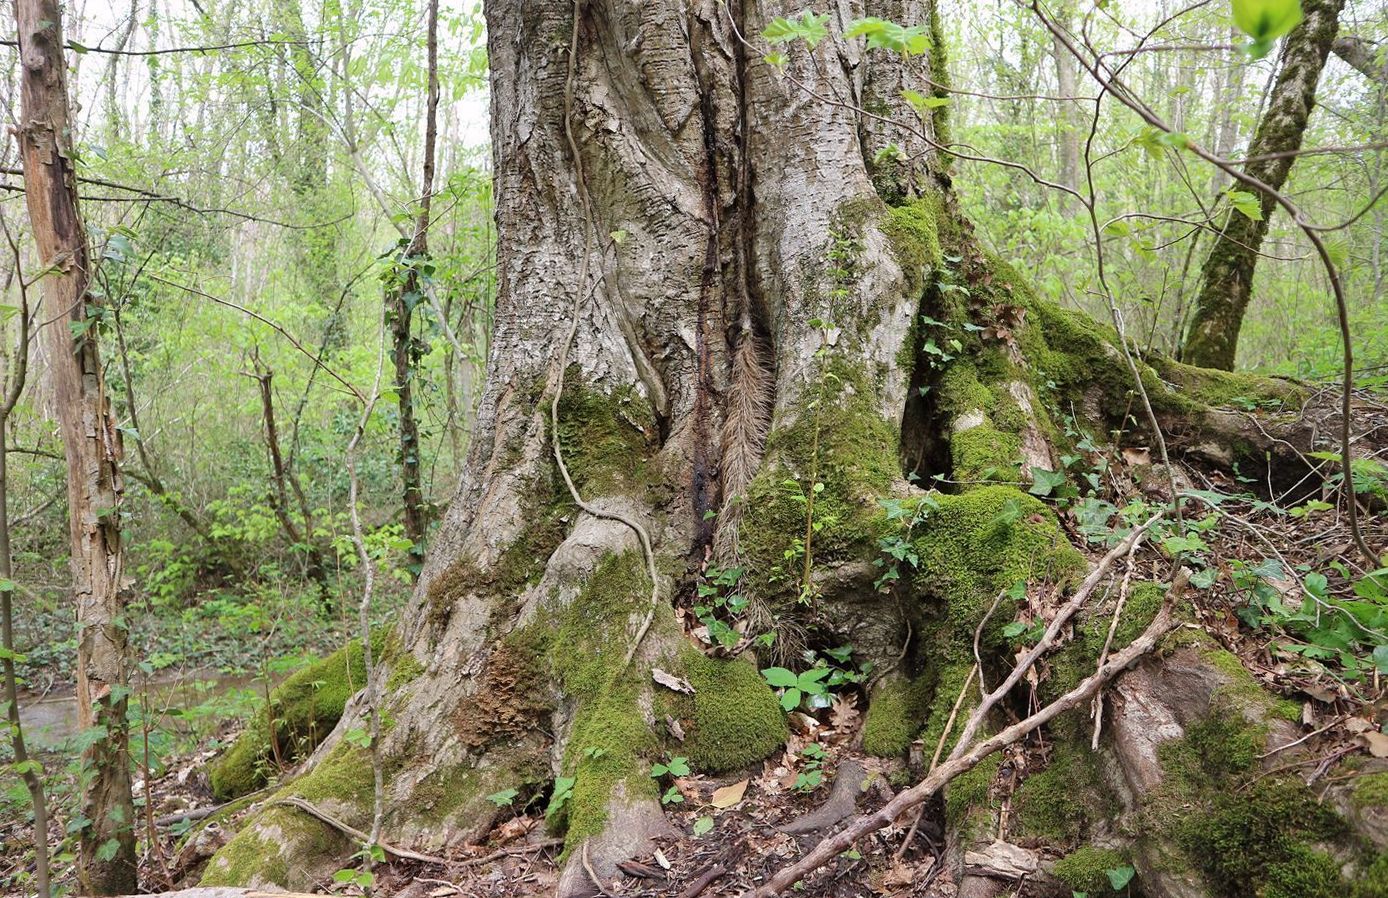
966	757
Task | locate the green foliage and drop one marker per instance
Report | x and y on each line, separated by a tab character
1265	21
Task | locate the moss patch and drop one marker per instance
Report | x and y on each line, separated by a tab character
734	717
1060	803
1086	869
974	546
606	436
304	709
896	714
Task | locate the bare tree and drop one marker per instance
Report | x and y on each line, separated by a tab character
92	444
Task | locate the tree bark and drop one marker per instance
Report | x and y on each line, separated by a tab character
1213	337
1362	56
91	442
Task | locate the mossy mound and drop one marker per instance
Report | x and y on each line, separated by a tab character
1246	833
899	706
735	720
973	547
301	712
836	451
1086	869
1061	802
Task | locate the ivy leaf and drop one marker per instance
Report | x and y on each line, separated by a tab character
1265	21
809	27
1119	877
1044	482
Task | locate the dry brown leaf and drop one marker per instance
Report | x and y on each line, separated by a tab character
1376	742
728	796
670	681
843	714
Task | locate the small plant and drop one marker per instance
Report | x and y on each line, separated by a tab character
720	605
812	774
504	798
674	767
795	687
361	875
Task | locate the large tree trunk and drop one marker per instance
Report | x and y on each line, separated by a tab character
1213	336
747	378
91	442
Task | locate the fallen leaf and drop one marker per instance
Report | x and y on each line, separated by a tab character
1137	456
441	891
1377	743
670	681
844	712
1358	725
728	796
661	859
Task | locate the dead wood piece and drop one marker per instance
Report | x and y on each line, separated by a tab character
1003	860
703	881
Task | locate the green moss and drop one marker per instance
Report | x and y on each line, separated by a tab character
343	776
1374	881
521	564
1254	837
610	744
404	670
736	718
584	645
1241	688
974	546
248	856
606	436
1078	657
1086	869
283	848
968	792
837	438
1370	790
1245	832
914	234
947	681
304	709
896	714
1060	802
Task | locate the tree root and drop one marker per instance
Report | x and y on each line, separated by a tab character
364	838
842	802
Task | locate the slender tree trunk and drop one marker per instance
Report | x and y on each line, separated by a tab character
30	769
1213	337
1068	129
106	845
405	350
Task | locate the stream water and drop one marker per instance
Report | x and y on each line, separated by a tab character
51	720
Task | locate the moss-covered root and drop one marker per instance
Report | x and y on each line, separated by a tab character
300	714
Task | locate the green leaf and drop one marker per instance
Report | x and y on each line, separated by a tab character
779	677
1266	20
1119	877
503	798
702	826
884	35
790	700
1246	203
809	27
1044	482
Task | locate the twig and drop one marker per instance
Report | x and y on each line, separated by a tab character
349	830
939	749
704	880
1098	712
